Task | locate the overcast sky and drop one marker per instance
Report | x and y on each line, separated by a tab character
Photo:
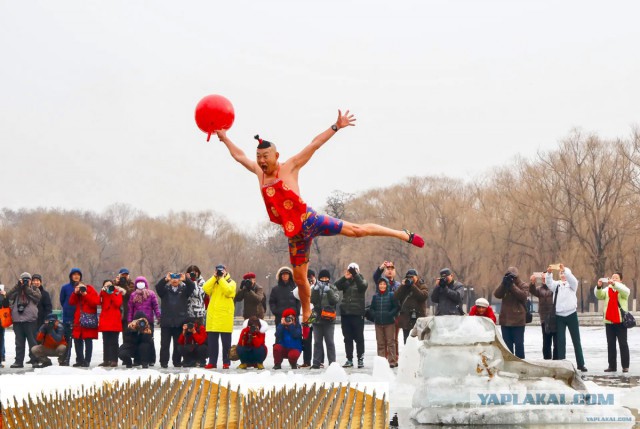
97	98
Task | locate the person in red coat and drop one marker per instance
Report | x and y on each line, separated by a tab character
251	348
110	322
85	322
482	308
192	343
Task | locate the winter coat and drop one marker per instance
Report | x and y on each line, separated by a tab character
221	309
411	299
513	311
84	304
174	303
45	307
255	302
199	338
489	313
393	284
448	298
254	340
68	310
567	302
353	295
144	300
324	295
53	339
545	299
289	336
281	296
28	296
129	288
603	294
138	345
196	306
110	316
385	307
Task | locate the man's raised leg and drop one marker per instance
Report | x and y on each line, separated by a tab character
371	229
304	289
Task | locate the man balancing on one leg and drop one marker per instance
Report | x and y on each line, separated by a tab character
280	190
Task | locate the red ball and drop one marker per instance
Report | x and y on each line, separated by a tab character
214	112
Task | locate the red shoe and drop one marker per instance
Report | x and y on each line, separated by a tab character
225	366
414	239
210	366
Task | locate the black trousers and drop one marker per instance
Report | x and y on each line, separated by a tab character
84	349
68	330
513	337
549	340
307	347
192	353
212	343
110	346
353	331
619	332
167	336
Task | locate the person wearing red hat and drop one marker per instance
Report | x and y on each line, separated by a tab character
252	294
281	193
288	340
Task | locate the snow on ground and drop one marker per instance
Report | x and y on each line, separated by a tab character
398	384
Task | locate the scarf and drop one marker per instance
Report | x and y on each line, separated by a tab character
613	312
140	296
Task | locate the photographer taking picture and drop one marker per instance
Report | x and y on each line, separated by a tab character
24	299
288	343
448	294
513	312
85	322
123	280
221	289
354	288
137	344
51	342
193	343
251	348
255	302
412	296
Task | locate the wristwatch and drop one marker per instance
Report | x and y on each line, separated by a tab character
334	127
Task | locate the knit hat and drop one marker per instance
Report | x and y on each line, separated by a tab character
25	275
36	276
123	271
51	316
481	302
262	144
249	275
412	272
324	273
289	312
142	279
354	265
445	272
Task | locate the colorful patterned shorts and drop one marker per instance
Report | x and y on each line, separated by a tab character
315	225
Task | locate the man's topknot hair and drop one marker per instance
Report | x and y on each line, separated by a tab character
262	144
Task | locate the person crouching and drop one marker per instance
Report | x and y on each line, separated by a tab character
51	342
251	348
137	343
482	308
288	340
192	343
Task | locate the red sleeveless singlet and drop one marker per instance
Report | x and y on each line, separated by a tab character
284	206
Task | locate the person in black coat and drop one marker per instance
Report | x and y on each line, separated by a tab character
281	296
45	307
137	344
174	291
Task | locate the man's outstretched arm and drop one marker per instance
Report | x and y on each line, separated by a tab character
237	153
299	160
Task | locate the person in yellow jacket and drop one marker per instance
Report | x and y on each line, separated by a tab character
615	295
221	290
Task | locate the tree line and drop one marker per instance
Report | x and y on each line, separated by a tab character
577	204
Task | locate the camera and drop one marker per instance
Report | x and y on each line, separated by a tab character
174	275
352	271
408	281
111	288
122	281
219	272
245	284
288	319
414	315
83	289
190	326
25	281
21	308
443	281
193	276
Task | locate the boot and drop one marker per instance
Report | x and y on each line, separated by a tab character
348	364
360	362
